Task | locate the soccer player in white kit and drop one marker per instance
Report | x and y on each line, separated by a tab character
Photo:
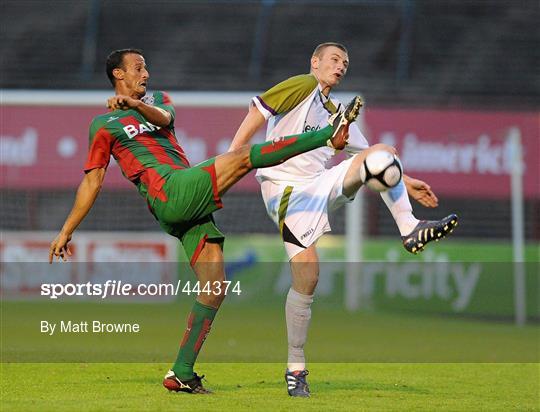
300	192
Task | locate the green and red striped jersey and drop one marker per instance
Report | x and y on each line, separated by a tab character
146	153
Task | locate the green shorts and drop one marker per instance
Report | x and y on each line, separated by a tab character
192	196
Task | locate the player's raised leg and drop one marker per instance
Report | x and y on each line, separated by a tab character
232	166
415	234
335	136
427	231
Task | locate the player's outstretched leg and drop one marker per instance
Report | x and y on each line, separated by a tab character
193	385
297	383
283	148
415	234
427	231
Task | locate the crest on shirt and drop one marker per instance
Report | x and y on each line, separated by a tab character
148	100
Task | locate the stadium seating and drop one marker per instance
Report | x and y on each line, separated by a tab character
453	55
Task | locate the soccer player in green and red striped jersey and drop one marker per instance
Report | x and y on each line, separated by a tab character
139	133
145	152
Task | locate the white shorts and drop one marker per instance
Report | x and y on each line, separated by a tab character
300	210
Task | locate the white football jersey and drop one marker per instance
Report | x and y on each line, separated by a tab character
295	106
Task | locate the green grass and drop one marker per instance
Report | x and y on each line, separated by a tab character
358	361
241	386
257	333
354	360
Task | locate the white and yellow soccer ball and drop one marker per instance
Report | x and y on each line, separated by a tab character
381	170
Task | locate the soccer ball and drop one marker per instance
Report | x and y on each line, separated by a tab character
381	170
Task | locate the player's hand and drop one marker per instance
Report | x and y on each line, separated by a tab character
60	247
121	102
421	192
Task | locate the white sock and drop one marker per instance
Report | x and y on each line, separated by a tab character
397	201
298	315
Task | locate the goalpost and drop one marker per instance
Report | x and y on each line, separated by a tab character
354	234
518	232
354	244
354	241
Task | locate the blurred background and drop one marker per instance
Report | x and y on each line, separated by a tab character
454	85
479	54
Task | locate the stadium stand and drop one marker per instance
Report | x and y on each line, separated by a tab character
461	52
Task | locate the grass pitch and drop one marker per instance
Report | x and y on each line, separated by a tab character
363	361
247	333
260	386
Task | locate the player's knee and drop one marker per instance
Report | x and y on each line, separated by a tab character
382	146
306	282
243	154
246	156
359	160
312	281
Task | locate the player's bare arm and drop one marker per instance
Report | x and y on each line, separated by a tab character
155	115
251	123
420	191
84	200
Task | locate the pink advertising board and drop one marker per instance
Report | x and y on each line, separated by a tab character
460	153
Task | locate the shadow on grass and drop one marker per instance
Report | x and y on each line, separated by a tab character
335	385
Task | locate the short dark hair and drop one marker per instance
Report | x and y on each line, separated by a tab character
320	48
116	59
